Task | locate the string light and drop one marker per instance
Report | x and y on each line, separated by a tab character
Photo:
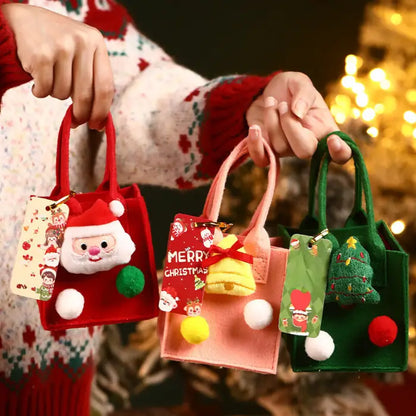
407	130
361	100
396	19
379	108
397	227
368	114
410	116
356	113
340	118
377	75
414	133
411	96
372	131
348	81
343	100
358	88
385	84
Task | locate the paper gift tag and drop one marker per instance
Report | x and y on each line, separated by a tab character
39	248
304	288
184	276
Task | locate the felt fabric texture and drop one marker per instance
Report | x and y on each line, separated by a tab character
230	276
231	342
350	275
349	326
129	241
166	137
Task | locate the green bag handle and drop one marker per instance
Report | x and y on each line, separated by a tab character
357	217
378	251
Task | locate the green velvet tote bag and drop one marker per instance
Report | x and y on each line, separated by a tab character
348	326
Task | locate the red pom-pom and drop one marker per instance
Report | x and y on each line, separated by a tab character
382	331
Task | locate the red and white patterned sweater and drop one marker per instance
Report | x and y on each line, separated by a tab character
174	128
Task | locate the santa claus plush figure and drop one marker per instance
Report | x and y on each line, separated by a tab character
95	240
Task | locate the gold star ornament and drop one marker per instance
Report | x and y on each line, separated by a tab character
351	242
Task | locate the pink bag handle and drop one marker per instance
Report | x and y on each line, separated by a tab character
214	198
256	239
62	187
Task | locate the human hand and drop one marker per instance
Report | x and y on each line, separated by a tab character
65	58
292	116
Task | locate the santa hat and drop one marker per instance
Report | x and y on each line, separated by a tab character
51	249
47	269
170	290
99	219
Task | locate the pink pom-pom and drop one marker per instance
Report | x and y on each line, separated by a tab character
117	208
382	331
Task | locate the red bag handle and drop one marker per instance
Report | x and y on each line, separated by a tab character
62	187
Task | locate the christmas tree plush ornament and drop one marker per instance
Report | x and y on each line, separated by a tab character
229	269
350	275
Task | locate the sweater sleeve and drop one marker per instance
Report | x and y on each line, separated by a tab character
174	128
11	72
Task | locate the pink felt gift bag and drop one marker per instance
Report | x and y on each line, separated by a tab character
232	343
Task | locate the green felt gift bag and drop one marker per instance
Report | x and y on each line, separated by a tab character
348	326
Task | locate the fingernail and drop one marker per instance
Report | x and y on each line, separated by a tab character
283	108
300	109
270	102
255	130
335	143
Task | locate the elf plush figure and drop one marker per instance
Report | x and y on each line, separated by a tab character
95	240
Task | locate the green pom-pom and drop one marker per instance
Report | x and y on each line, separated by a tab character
130	281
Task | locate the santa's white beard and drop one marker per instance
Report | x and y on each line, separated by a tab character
82	263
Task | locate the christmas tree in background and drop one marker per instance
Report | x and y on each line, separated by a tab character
350	274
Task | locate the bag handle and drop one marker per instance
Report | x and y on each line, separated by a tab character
62	187
256	238
214	198
373	238
357	216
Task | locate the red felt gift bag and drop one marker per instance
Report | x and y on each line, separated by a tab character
107	272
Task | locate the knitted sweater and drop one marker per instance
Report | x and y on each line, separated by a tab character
174	128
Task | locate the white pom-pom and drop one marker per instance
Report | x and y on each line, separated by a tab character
321	347
116	207
258	314
69	304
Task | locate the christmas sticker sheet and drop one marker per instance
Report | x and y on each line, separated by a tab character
184	276
39	249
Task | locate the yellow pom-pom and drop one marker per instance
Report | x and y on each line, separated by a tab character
195	329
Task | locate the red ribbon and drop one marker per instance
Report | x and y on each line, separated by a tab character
222	253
